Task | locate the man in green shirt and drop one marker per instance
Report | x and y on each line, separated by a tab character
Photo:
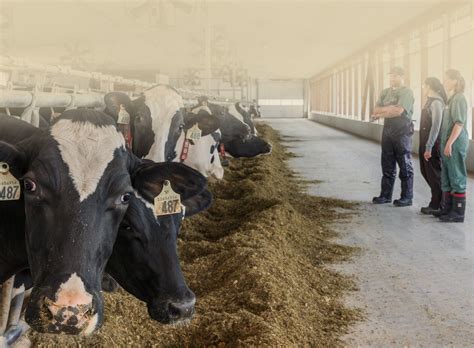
395	105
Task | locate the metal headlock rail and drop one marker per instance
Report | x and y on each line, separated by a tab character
41	94
53	95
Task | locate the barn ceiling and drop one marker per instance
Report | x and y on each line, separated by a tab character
269	38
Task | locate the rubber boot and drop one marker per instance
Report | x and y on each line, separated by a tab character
406	198
386	192
458	209
446	205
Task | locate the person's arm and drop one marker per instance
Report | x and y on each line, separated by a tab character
457	129
405	102
390	111
459	114
436	120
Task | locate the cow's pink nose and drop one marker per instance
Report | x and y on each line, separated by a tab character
74	316
73	304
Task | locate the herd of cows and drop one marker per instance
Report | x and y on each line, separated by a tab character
102	197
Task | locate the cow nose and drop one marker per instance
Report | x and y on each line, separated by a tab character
74	316
178	311
73	307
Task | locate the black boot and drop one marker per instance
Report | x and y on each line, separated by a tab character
381	200
403	202
458	210
429	210
407	194
446	205
386	192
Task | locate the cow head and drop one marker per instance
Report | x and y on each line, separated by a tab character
232	126
203	154
141	124
157	121
145	260
253	147
77	188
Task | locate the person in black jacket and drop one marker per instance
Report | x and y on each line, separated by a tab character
429	150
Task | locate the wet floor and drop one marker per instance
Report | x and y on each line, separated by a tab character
416	275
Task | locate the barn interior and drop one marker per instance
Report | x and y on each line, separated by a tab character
356	274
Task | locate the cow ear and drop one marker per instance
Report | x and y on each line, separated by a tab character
15	157
148	178
207	123
198	203
138	102
113	101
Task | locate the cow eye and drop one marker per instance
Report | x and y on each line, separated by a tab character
181	126
125	198
29	185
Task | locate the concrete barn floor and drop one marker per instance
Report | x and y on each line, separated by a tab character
416	275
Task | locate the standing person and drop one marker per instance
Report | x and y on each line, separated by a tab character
395	105
454	144
429	150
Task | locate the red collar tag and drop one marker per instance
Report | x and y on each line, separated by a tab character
184	151
222	150
127	134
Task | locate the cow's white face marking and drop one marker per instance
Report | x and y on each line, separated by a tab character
233	111
199	158
87	150
72	293
204	108
147	204
163	103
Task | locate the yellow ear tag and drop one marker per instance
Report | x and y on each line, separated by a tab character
123	115
10	188
167	202
194	133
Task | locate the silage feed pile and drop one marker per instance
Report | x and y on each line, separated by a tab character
257	262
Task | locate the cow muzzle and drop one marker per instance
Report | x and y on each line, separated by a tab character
71	310
173	311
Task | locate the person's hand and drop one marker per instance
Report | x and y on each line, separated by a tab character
427	155
448	150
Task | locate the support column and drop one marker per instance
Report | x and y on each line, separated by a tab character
424	59
351	91
446	42
406	59
356	90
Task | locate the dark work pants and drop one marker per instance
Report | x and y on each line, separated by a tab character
396	149
431	171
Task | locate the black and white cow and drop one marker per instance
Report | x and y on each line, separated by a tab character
158	125
250	146
78	183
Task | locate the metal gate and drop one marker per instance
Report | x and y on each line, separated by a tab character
281	98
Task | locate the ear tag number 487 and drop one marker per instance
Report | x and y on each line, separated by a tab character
9	186
167	202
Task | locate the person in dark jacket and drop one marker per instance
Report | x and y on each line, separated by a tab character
395	106
429	150
454	144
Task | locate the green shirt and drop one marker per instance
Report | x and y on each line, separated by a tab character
402	96
455	112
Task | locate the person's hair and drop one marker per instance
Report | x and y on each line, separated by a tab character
436	86
456	75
